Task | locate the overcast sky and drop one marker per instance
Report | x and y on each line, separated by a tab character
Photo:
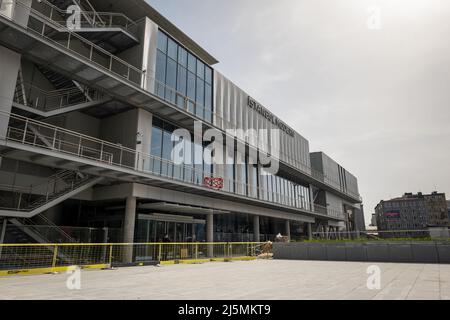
377	101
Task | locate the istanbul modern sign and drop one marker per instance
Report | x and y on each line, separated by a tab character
252	103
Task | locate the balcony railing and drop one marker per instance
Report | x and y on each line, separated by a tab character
106	153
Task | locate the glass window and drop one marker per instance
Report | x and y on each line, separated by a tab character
278	187
189	161
181	80
182	56
160	73
172	49
230	173
200	98
156	150
291	195
244	178
200	70
171	74
208	75
198	156
270	187
181	85
192	63
167	166
162	42
180	74
156	146
191	86
255	181
208	103
167	146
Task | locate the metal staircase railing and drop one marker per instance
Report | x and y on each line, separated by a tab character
36	196
89	12
43	26
91	18
34	97
40	223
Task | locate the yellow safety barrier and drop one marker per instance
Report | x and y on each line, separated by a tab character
26	259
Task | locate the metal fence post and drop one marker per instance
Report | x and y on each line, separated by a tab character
196	251
3	235
159	252
55	256
110	255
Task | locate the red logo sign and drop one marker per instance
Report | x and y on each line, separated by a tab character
213	183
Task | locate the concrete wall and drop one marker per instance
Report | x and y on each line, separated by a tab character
405	252
144	130
78	122
120	129
150	44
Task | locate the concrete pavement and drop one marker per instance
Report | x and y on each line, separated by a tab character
255	280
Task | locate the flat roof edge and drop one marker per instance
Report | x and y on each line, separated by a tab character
138	9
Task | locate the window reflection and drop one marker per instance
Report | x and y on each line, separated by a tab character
183	79
243	179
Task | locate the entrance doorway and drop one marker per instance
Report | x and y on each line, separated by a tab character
154	228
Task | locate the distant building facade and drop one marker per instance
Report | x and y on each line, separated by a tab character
374	220
413	212
448	208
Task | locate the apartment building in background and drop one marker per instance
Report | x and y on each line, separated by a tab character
413	212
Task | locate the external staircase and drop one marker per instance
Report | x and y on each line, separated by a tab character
60	187
68	96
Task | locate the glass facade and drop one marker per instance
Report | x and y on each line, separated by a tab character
183	79
151	231
247	179
161	150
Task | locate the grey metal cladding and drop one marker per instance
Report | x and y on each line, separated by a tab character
232	111
334	174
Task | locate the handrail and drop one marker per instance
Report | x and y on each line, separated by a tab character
129	23
112	63
124	157
40	99
49	223
37	189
